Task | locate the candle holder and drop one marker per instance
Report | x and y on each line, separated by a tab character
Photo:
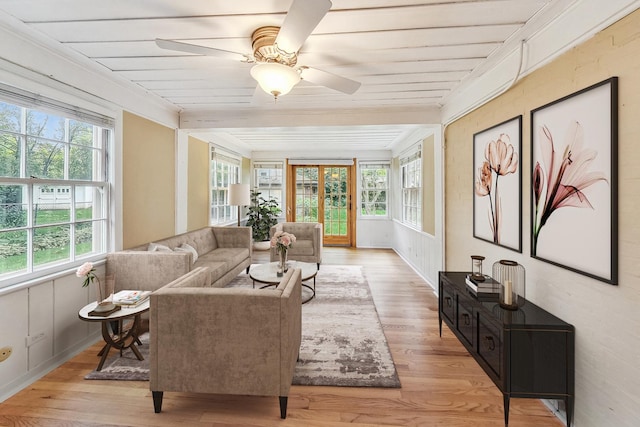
511	277
476	268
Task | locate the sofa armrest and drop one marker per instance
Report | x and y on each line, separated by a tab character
220	340
317	241
146	271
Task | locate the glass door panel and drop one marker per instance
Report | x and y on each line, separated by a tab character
336	204
322	194
306	198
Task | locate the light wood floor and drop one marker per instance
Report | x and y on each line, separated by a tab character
441	384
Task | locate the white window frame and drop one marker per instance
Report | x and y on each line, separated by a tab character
411	185
267	192
62	192
229	166
363	166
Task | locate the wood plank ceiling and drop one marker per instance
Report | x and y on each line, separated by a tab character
406	53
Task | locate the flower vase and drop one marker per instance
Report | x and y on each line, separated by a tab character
282	263
104	294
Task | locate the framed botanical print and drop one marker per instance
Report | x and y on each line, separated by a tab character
497	184
574	182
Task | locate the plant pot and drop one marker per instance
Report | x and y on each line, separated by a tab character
261	246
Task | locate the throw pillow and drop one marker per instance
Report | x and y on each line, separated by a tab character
185	247
157	247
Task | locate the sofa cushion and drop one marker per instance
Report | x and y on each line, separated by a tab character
301	230
302	247
158	247
202	240
216	268
232	256
185	247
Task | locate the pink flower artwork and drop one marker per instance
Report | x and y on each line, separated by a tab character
500	159
561	177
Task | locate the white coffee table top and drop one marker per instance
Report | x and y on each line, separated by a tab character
267	273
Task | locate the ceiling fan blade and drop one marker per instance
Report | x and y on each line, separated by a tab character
330	80
303	17
200	50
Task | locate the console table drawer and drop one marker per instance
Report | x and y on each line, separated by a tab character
490	345
465	321
448	303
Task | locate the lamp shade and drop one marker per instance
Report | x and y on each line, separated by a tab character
275	79
239	195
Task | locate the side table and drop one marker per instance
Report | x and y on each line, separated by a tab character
126	335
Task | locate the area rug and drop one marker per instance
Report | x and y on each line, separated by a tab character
127	367
343	343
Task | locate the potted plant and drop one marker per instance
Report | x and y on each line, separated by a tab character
263	214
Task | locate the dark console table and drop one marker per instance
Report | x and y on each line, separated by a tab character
527	353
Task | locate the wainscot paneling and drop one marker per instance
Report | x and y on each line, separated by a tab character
374	233
48	308
420	250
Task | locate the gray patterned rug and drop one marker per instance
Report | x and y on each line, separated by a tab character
343	343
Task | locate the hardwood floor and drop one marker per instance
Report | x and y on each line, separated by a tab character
441	384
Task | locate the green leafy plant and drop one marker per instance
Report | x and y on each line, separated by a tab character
263	214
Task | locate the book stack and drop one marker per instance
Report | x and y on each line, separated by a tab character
130	299
486	290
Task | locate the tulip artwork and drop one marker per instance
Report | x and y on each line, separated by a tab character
501	160
497	185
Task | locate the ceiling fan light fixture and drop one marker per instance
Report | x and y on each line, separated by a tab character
275	79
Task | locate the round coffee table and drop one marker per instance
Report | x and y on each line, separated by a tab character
126	335
268	274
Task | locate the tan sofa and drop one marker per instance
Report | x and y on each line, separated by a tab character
224	341
223	251
308	245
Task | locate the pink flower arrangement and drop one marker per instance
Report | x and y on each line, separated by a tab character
87	270
282	240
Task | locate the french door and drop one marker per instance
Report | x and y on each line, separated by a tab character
322	193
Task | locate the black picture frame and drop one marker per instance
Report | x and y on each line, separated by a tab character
574	183
497	184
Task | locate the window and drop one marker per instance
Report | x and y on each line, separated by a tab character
374	189
53	185
411	178
267	179
225	170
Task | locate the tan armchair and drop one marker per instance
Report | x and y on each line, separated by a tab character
224	340
308	245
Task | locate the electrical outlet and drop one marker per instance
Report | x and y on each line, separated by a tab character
32	339
5	352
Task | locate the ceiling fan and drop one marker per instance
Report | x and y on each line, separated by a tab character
275	52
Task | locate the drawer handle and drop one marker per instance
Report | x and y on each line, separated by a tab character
467	319
448	301
489	343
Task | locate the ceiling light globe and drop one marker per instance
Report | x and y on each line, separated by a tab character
275	79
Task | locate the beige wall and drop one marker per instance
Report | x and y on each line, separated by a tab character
198	184
148	187
606	317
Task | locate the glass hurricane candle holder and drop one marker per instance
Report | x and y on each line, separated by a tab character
511	277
